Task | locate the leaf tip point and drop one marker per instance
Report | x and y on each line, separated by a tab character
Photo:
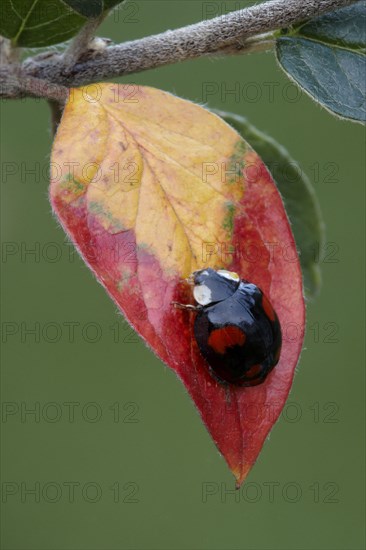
241	474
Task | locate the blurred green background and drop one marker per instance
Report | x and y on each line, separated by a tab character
115	453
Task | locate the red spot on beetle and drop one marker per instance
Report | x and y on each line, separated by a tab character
268	309
222	338
254	371
277	355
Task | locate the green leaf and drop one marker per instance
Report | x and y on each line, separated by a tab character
39	23
326	57
109	4
88	9
297	194
92	8
346	26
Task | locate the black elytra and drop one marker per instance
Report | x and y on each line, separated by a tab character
236	328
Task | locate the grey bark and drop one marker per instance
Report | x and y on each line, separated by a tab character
224	34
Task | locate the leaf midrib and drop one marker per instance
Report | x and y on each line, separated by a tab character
327	44
23	23
164	153
30	11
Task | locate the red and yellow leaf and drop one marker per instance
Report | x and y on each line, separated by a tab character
151	187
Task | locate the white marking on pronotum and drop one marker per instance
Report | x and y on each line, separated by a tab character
202	295
228	274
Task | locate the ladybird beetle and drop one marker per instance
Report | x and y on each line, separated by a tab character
236	328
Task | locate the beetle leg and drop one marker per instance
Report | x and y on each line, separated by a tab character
185	306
